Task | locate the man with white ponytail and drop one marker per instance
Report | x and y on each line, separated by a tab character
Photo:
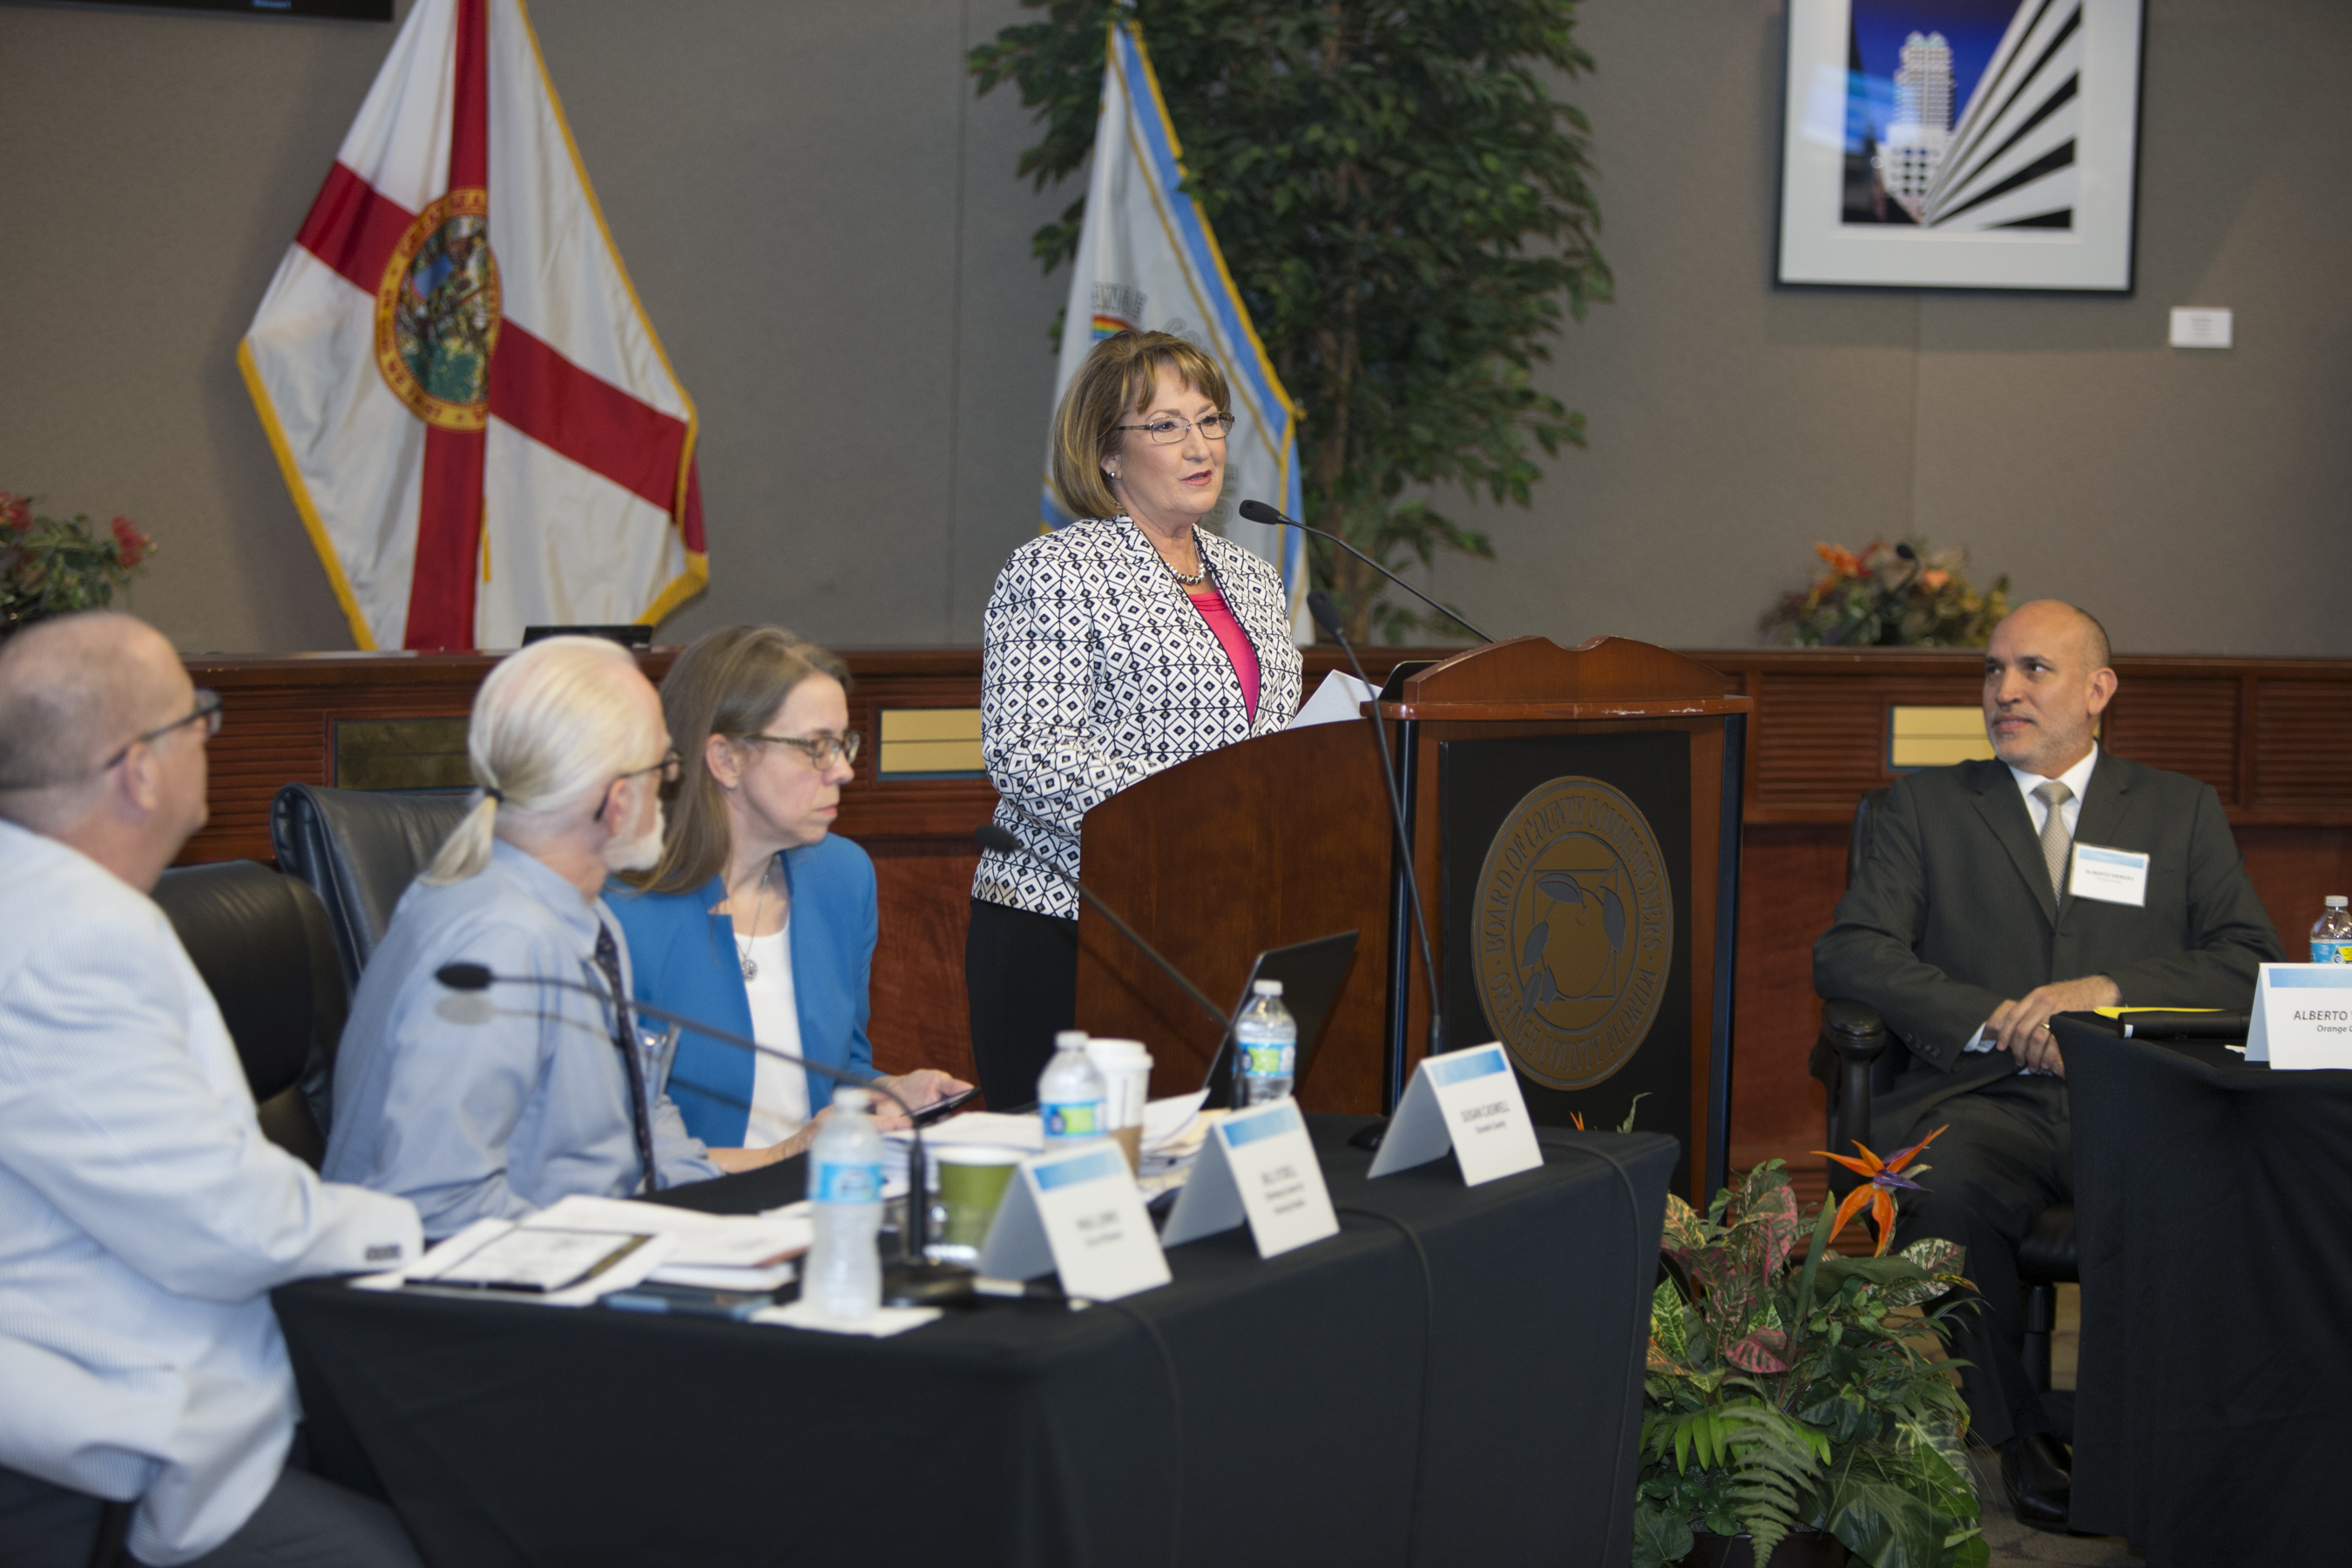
496	1104
144	1217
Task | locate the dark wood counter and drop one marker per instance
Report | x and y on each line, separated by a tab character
2273	736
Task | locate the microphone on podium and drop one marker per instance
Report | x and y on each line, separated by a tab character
912	1282
1326	616
1258	511
992	836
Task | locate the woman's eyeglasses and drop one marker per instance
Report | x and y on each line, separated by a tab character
1168	429
820	750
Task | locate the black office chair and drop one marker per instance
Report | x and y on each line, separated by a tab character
359	850
1852	1060
264	947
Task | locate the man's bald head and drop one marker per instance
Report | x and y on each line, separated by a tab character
72	692
2047	679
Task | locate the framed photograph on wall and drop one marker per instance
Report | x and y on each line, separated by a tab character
1961	143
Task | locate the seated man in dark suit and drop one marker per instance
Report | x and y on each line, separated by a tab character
1964	928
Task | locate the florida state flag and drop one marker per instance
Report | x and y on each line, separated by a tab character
471	409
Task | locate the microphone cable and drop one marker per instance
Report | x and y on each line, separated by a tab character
1175	1424
1428	1362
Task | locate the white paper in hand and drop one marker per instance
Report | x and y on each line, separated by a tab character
1339	700
1468	1101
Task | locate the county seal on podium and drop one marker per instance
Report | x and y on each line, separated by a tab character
1574	932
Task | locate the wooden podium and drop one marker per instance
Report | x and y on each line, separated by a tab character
1574	821
1574	815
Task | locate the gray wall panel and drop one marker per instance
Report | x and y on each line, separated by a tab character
823	225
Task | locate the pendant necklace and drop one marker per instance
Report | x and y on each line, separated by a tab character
751	964
1200	559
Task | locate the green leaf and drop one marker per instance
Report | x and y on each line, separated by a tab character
1659	1536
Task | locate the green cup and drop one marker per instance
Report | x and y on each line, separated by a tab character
972	1184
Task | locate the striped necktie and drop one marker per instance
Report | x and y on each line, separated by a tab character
608	963
2055	839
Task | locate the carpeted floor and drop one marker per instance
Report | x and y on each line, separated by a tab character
2013	1542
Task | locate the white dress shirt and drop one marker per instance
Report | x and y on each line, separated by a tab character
144	1217
2077	779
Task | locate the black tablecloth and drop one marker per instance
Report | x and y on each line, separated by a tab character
2213	1203
1335	1404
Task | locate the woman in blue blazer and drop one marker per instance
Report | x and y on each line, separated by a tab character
756	918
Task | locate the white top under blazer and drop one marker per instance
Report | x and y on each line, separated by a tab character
1097	672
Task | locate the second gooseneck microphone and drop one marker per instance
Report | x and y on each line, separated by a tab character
1326	616
1258	511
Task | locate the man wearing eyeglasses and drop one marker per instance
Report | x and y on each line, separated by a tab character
493	1105
144	1217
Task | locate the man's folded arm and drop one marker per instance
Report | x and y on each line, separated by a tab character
104	1112
1869	953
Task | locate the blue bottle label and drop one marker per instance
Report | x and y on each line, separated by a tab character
842	1184
1073	1118
2333	950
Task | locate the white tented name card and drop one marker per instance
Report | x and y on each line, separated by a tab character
1468	1101
2110	876
1077	1215
1257	1165
2302	1017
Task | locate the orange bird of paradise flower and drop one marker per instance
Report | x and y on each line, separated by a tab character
1886	1178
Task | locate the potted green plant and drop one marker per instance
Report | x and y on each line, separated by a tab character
1789	1392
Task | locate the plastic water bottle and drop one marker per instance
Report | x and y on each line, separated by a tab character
842	1276
2331	937
1070	1095
1265	1048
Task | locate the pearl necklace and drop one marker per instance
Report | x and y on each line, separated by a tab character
1199	556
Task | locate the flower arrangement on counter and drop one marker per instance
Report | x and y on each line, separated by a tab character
1899	595
53	566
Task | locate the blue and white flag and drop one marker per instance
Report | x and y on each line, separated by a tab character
1147	260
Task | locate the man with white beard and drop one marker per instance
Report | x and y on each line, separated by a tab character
475	1105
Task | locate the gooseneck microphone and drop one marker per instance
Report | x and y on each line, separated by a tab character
992	836
1258	511
917	1279
1326	616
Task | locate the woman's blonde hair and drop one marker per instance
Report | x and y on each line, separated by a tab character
1116	382
547	732
730	682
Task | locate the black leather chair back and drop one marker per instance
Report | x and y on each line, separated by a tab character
359	850
264	947
1865	825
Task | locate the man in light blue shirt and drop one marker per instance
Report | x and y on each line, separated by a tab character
144	1217
494	1104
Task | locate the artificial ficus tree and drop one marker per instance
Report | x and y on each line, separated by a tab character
1406	210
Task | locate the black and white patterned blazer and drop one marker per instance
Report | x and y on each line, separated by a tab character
1097	672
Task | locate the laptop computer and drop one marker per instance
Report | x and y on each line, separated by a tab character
1311	974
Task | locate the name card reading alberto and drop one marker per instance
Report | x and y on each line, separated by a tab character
1077	1215
2110	876
1257	1165
1468	1101
2302	1017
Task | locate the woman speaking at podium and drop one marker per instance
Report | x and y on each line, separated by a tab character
1118	645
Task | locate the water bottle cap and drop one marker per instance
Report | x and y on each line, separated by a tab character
2335	900
1266	988
1070	1040
849	1097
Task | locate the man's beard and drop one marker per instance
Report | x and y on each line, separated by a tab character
642	853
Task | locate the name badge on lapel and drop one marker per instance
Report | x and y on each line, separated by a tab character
2110	876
